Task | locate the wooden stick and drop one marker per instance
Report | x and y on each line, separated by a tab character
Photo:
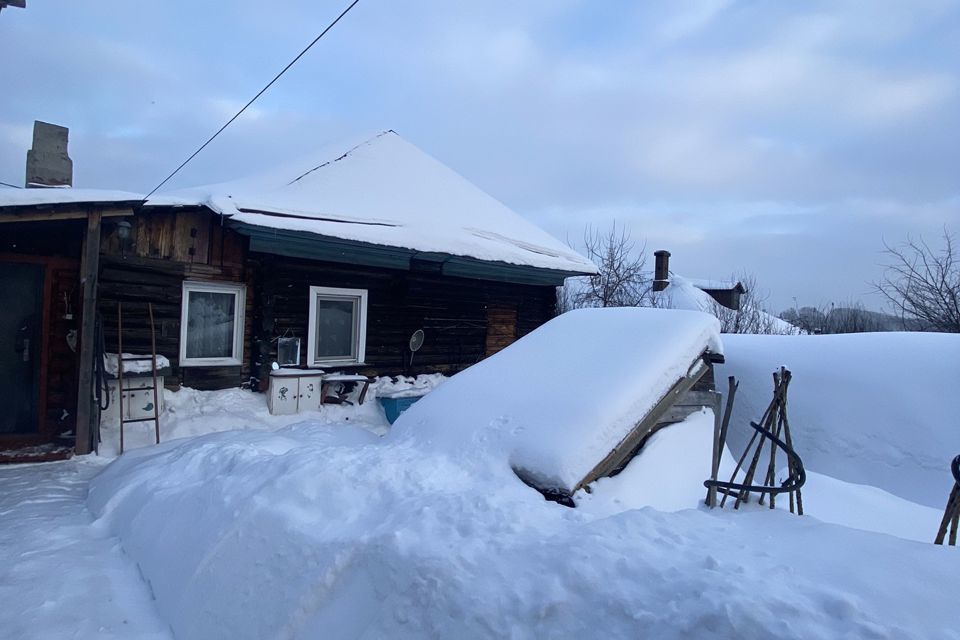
751	470
153	368
789	440
950	514
746	451
720	440
728	411
120	367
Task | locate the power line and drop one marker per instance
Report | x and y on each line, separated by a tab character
254	98
7	184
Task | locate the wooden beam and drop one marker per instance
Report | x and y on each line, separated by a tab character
46	216
616	458
89	272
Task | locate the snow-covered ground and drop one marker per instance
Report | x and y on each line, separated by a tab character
325	531
878	409
317	526
61	574
190	413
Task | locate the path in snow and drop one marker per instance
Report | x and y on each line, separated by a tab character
61	574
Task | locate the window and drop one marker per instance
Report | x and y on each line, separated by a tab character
338	326
211	324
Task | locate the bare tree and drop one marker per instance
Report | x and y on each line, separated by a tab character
851	317
809	320
620	280
923	283
750	317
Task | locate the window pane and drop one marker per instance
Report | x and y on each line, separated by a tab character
210	318
335	324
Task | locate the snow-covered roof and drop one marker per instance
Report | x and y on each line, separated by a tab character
557	401
10	197
385	191
714	285
683	294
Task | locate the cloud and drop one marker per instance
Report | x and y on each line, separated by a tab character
736	132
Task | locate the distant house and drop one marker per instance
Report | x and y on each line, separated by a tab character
349	252
721	298
725	292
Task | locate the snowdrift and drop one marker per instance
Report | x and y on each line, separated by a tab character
329	531
557	401
878	409
317	531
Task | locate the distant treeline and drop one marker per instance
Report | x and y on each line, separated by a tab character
850	318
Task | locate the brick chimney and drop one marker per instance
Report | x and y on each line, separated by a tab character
661	270
48	164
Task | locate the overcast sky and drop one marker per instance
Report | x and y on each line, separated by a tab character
785	139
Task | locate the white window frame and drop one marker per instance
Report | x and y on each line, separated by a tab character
239	292
335	293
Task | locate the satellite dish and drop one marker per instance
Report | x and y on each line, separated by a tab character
416	341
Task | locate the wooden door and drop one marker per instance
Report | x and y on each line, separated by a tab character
501	327
21	321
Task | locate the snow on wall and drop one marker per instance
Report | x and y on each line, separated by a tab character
558	400
875	408
384	190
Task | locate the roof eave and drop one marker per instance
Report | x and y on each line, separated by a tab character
313	246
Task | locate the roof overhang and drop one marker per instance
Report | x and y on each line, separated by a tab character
733	286
312	246
45	211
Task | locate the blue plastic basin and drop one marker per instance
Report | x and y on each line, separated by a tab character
393	407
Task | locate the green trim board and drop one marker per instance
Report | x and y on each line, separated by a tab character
312	246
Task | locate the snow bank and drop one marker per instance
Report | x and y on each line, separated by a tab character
325	530
190	413
667	474
558	400
406	386
321	531
669	471
878	409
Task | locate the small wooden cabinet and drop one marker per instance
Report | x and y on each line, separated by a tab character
294	390
137	395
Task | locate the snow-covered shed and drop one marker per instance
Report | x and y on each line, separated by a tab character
349	251
576	399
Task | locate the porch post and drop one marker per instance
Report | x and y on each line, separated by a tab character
89	273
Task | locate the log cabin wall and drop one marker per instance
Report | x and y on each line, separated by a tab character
463	320
56	246
165	248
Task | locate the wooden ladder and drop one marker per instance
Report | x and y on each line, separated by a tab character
153	368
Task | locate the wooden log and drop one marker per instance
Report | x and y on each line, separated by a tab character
89	270
628	445
720	439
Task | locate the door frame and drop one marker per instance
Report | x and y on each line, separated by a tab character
42	435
